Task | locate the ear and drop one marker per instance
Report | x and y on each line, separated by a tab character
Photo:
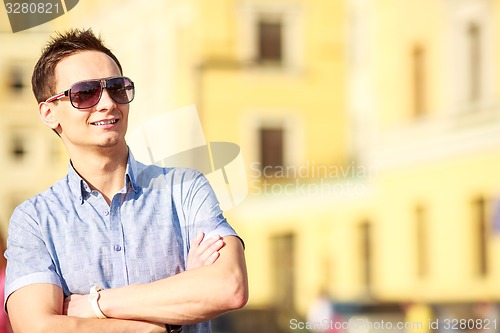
47	115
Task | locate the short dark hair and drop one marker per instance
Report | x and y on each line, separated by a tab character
61	46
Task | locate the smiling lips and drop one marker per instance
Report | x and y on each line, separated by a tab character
105	122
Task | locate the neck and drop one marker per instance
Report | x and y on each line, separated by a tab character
103	169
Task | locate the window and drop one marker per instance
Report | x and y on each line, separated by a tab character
284	263
271	36
16	80
270	41
271	147
480	234
419	78
365	230
471	57
19	144
18	147
277	140
421	239
474	65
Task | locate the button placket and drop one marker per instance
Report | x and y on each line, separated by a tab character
117	237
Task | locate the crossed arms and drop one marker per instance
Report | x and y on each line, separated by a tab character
215	282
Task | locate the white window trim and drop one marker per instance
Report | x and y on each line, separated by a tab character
463	13
293	133
292	38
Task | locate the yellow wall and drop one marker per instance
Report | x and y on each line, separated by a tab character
442	161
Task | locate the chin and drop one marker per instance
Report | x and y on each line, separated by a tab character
110	142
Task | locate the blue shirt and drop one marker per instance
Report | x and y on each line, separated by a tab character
69	236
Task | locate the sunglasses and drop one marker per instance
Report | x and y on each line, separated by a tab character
86	94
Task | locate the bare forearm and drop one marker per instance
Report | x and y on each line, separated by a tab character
189	297
186	298
38	308
66	324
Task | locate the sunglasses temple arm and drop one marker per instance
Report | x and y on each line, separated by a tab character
56	97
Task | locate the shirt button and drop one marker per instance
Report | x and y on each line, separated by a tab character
106	212
118	248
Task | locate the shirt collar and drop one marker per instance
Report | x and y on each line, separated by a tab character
78	186
82	190
131	172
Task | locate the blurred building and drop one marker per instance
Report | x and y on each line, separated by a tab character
398	206
32	156
370	129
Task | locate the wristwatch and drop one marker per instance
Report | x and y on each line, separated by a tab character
173	328
93	299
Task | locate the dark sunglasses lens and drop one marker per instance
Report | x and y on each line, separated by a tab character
121	89
85	94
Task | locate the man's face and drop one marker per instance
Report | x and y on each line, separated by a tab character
83	128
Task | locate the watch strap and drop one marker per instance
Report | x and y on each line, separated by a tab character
94	301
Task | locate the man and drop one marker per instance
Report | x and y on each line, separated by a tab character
112	222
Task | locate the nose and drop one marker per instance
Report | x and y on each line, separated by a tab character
106	102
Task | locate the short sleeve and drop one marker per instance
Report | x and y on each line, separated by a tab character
201	208
28	259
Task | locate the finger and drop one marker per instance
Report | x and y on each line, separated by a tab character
204	246
213	248
213	257
197	240
219	244
202	249
193	251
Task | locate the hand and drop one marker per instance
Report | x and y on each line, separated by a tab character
78	306
203	253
